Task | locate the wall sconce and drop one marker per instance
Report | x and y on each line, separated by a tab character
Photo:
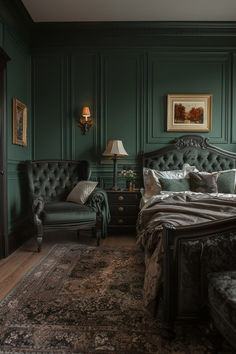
85	122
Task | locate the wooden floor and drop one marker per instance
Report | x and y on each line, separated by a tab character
14	267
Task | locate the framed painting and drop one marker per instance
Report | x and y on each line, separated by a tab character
19	123
189	113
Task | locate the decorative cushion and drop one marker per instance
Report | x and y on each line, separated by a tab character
203	183
151	177
226	182
81	192
175	185
222	299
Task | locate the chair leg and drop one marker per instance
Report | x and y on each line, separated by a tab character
96	234
98	238
77	232
39	242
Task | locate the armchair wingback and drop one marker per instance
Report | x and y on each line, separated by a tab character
53	180
50	182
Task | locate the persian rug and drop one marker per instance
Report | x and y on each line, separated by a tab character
81	299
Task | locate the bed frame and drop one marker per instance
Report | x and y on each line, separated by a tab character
190	253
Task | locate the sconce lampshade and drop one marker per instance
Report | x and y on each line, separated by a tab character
86	112
85	122
115	149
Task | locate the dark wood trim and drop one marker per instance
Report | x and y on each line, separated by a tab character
133	34
159	27
3	157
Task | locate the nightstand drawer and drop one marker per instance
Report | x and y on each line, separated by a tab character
123	220
131	210
122	198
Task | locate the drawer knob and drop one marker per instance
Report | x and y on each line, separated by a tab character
120	221
120	197
121	208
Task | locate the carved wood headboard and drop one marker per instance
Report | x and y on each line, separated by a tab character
192	149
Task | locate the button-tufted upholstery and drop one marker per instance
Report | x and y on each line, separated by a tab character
55	179
50	183
222	299
203	159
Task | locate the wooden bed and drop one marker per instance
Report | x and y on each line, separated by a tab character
191	252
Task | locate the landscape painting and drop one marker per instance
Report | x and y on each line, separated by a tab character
189	113
19	123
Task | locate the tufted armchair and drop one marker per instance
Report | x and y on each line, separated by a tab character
50	183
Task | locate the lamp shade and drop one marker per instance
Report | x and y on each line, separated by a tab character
115	147
86	112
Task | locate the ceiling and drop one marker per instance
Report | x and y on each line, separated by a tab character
130	10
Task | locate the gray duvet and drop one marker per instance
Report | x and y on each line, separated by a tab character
179	209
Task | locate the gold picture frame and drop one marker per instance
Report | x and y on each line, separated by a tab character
189	113
19	123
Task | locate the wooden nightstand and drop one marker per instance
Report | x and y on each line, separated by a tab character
124	207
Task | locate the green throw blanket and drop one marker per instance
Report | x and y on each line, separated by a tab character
98	202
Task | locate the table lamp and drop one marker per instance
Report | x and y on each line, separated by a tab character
114	150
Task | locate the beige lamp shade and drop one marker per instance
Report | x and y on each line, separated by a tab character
86	112
115	147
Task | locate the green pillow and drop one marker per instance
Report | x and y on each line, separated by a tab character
175	185
226	182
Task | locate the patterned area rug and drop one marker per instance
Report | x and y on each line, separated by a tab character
82	299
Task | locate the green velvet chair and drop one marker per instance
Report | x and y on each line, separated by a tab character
50	183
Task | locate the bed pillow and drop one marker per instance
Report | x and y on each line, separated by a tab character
226	181
203	183
175	185
81	192
152	185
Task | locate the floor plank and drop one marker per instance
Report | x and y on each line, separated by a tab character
14	267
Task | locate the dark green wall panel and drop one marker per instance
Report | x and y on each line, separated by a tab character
1	34
18	86
120	100
84	93
48	107
127	92
233	125
186	73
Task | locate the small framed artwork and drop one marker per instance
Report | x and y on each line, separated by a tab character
19	123
189	113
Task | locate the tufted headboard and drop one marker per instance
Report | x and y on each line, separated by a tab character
55	179
192	149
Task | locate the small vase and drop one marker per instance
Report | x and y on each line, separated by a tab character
128	184
131	187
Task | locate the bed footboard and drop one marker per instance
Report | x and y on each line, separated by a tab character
190	253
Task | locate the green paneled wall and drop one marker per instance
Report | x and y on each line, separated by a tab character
18	86
84	92
126	90
123	72
193	72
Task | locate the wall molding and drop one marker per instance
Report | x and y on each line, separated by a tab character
233	101
223	58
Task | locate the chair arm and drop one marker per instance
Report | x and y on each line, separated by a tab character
98	202
37	206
